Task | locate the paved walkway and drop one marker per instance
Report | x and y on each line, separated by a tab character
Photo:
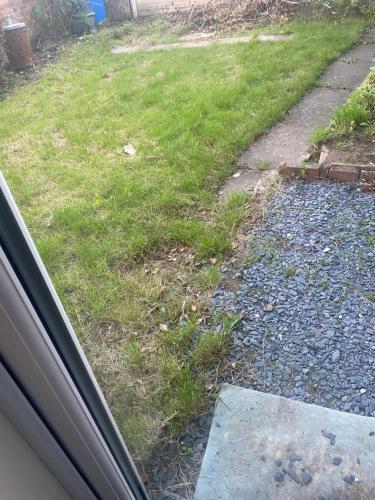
289	140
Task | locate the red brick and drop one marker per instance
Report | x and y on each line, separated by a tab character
288	171
323	156
344	173
368	175
324	172
312	171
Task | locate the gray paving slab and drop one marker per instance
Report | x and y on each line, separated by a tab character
123	49
349	71
255	436
202	41
288	140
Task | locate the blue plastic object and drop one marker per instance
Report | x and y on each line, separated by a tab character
98	6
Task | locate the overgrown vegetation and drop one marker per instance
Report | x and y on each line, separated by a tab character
226	15
133	244
356	116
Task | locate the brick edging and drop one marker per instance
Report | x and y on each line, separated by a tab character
342	172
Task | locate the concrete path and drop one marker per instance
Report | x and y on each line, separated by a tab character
201	41
289	140
263	446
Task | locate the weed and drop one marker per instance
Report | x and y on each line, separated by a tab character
290	272
252	259
263	165
356	115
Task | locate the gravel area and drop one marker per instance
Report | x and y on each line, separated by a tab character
307	299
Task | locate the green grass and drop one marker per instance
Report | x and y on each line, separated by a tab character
133	244
355	117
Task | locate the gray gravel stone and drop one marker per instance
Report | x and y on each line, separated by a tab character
335	356
349	479
279	477
306	478
337	460
330	436
290	471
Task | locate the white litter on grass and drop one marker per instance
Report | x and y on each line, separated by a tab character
130	150
327	249
237	174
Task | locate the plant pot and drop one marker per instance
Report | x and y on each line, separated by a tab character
82	23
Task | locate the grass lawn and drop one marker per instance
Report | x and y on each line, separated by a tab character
133	244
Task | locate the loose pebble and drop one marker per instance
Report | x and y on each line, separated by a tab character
349	479
279	477
330	436
306	478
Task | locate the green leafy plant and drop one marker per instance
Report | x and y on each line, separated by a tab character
358	113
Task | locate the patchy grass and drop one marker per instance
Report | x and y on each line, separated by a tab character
355	117
133	243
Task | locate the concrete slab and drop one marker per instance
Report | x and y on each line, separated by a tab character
127	49
350	71
252	431
248	181
274	38
196	41
289	140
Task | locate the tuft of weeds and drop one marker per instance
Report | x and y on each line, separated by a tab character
252	258
263	165
212	346
290	272
357	115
